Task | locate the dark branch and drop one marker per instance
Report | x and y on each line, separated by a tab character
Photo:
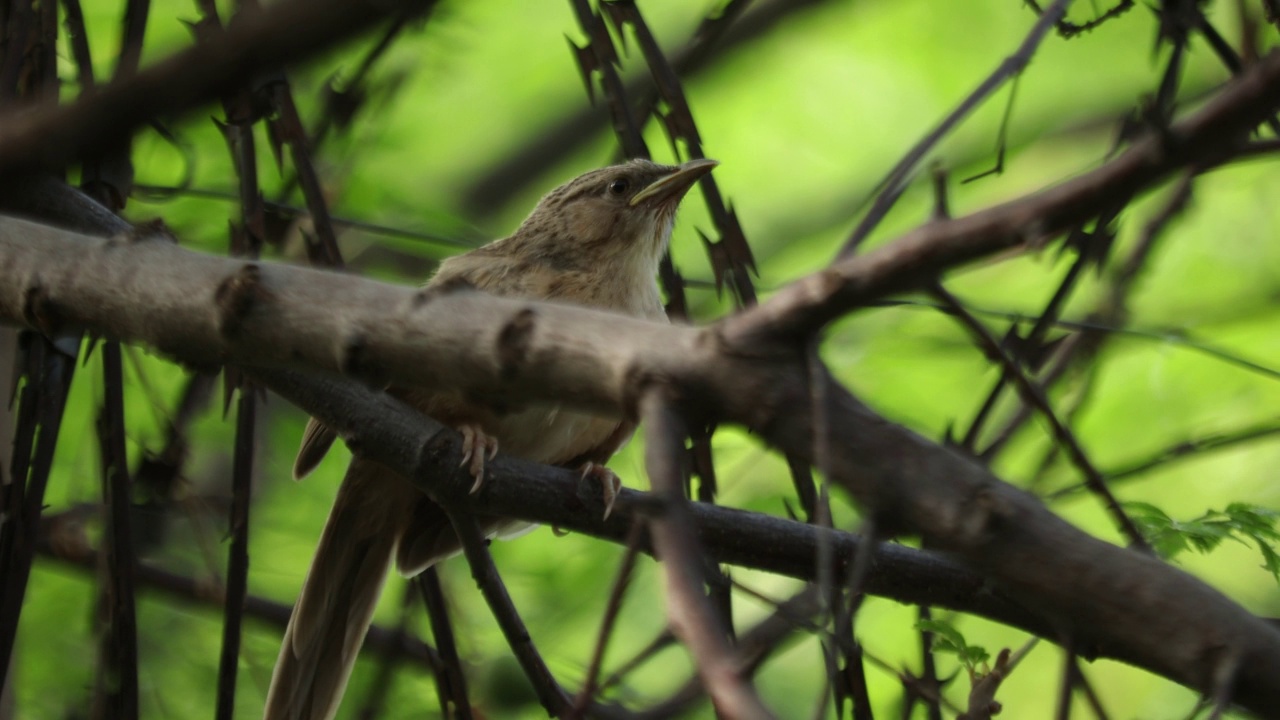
286	32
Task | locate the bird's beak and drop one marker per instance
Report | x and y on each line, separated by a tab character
670	188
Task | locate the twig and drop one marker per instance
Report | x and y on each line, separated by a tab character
612	608
757	645
854	678
1033	395
851	682
1095	703
1069	29
927	687
158	193
599	56
731	258
921	255
513	171
78	39
451	681
246	240
1183	450
285	127
1112	309
1033	344
662	641
982	696
934	695
338	102
1066	685
1175	337
1226	54
48	371
238	555
285	32
692	618
75	551
116	685
553	697
896	180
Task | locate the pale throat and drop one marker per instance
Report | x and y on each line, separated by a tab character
639	272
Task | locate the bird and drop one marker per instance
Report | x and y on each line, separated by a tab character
595	241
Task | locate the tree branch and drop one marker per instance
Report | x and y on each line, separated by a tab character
690	614
207	310
926	252
52	136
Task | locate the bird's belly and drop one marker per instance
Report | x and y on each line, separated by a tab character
551	435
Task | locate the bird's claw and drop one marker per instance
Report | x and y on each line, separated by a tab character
477	448
610	484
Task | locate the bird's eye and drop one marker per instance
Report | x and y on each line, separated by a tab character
619	186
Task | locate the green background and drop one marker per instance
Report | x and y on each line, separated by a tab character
805	121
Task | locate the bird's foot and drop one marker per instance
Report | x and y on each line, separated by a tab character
477	448
609	481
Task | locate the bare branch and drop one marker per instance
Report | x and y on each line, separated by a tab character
76	553
210	310
893	184
553	698
612	609
693	619
924	253
285	32
451	682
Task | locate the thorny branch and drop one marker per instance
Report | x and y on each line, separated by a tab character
1034	396
246	240
285	32
714	36
730	256
924	253
116	687
924	494
1111	311
896	181
48	308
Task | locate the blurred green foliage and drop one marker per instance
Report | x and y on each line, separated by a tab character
947	639
1239	522
805	120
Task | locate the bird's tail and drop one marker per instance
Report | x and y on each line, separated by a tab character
340	593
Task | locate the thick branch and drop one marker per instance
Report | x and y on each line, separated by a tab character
210	310
394	434
52	136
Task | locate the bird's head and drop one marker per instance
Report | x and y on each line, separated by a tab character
616	213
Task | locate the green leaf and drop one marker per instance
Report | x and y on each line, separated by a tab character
1270	560
1240	522
949	640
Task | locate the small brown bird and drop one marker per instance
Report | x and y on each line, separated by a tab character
594	241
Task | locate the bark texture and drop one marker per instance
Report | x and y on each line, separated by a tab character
205	310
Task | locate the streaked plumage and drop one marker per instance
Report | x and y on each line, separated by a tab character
594	241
